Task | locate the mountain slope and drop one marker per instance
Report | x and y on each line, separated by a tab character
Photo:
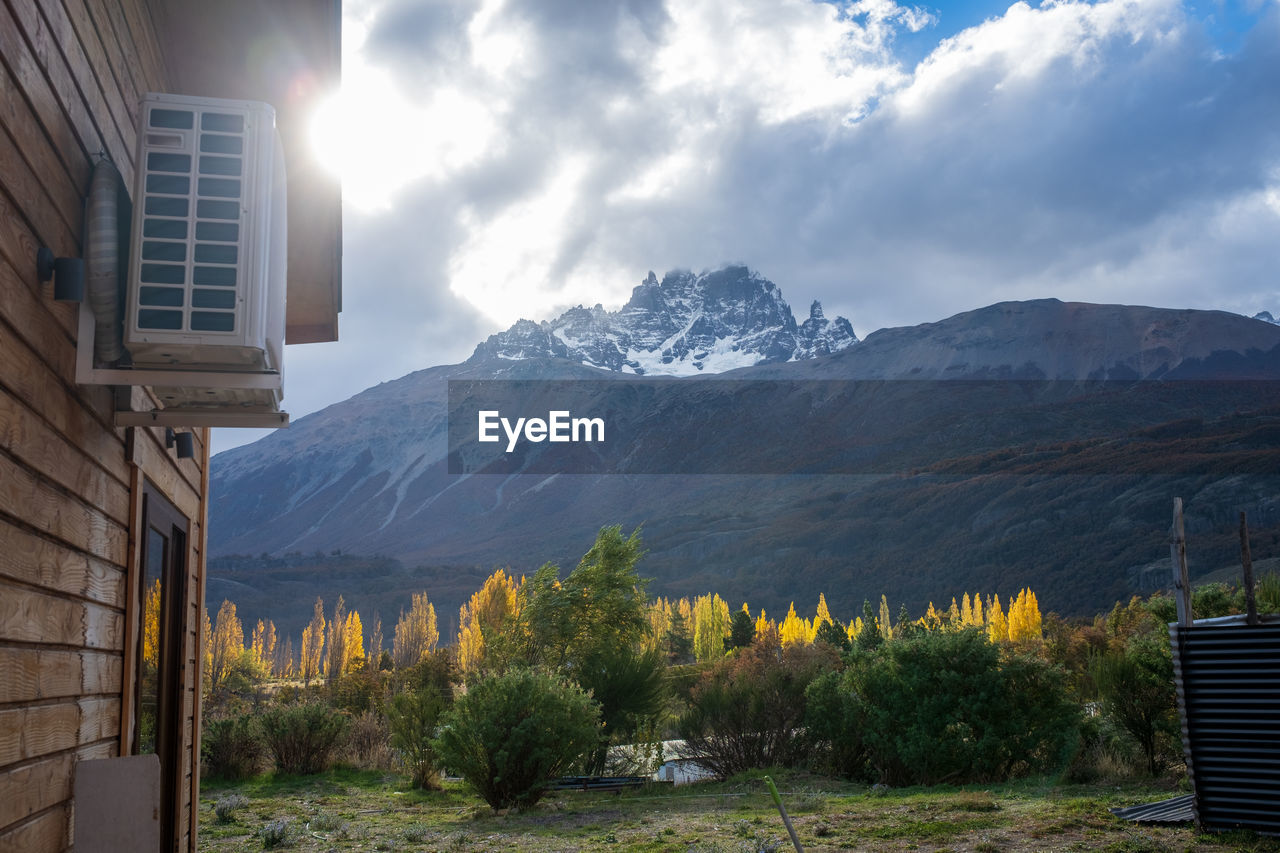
1072	505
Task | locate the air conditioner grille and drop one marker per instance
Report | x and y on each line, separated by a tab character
188	281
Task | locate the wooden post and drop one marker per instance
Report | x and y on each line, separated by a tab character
1178	554
1250	600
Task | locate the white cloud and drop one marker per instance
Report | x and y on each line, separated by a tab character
1106	151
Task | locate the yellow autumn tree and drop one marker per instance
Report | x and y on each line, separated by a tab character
822	615
1024	618
416	633
151	626
353	636
206	650
263	647
997	625
710	627
886	626
228	642
794	630
764	624
978	619
312	644
484	617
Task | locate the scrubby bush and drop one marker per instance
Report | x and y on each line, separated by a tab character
941	706
511	734
412	718
303	738
277	833
368	742
224	810
748	711
232	748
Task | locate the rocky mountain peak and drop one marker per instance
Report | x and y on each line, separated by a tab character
683	324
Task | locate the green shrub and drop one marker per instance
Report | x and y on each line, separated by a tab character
941	706
412	718
511	734
832	728
748	711
302	738
231	748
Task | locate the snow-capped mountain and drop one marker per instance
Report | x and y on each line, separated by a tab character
683	325
1265	316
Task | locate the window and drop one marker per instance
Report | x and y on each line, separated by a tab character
162	599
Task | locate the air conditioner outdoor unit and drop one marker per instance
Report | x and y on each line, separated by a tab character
206	282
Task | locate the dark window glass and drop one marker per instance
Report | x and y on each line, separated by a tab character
226	231
222	123
206	209
163	274
166	229
157	162
163	251
213	298
151	318
180	119
214	144
214	276
208	321
171	184
171	297
158	206
219	187
210	165
211	253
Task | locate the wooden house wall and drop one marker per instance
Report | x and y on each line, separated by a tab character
71	75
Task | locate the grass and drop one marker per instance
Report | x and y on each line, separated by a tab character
359	810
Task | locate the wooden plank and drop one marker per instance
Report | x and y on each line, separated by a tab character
82	107
29	616
32	675
189	469
40	730
101	749
91	17
30	196
44	325
28	73
150	455
34	443
50	831
34	788
28	498
99	719
16	115
110	20
32	559
31	379
71	22
146	45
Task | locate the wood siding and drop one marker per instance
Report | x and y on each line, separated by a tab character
71	75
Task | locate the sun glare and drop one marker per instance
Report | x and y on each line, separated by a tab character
378	141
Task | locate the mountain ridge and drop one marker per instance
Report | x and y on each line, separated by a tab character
369	475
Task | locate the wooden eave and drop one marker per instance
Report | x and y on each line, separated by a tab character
288	54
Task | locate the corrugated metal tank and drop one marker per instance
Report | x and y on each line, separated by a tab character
1228	680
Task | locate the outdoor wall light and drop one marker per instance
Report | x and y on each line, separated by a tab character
67	275
184	441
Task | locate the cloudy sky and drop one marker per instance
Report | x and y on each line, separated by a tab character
511	158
